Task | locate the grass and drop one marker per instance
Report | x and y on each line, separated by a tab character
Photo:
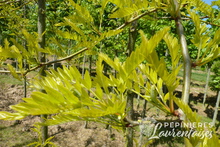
196	76
205	119
199	77
8	79
13	136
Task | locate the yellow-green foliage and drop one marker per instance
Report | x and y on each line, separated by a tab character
69	97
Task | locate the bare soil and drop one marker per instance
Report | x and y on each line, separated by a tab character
74	134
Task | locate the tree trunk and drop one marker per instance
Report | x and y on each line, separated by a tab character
207	83
83	73
24	60
41	35
185	53
186	59
216	109
130	114
130	95
144	109
83	66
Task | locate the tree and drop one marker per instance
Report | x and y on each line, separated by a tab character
130	96
215	79
207	82
67	95
42	38
216	109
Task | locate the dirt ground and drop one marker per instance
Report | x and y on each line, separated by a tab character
73	134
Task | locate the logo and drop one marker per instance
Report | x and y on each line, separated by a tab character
154	129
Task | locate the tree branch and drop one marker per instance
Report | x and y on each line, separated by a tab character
210	23
202	20
22	5
148	12
182	18
48	63
136	18
6	71
8	2
132	123
56	61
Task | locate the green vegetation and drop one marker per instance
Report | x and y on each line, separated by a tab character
215	78
199	76
196	75
206	119
14	136
9	79
128	63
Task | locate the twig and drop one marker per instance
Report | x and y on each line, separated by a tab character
136	18
182	18
47	63
56	61
148	12
6	71
203	20
22	5
133	123
8	2
210	23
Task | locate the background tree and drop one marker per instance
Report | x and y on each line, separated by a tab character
215	79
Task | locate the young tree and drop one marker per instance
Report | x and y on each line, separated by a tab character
66	92
42	43
215	79
130	96
207	82
216	109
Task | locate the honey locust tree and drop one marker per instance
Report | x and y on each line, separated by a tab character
69	97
